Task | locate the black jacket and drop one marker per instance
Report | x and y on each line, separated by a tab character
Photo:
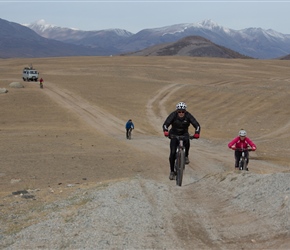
179	126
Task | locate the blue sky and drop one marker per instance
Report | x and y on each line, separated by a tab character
136	15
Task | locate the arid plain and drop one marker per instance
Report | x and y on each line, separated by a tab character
71	134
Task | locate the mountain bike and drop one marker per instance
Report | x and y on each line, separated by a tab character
130	133
179	165
243	160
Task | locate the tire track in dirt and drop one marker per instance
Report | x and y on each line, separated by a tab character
100	119
96	117
159	100
103	121
278	133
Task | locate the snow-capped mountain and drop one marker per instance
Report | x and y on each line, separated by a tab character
104	39
253	42
19	41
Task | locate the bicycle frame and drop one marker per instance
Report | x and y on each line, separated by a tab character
180	157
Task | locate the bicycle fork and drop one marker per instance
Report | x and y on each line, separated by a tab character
180	153
243	162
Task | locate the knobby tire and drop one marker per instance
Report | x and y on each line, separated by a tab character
243	164
180	165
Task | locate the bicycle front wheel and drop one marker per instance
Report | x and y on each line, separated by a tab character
242	164
180	167
245	164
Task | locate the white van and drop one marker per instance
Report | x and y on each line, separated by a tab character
30	74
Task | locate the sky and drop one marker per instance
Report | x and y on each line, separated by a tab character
135	15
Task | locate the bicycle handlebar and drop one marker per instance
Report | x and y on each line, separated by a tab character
243	149
182	137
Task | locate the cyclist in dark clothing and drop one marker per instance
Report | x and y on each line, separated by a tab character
129	126
179	120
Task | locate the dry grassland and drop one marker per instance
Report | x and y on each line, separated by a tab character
41	138
72	131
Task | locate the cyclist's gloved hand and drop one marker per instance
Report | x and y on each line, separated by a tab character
233	147
166	133
253	148
196	136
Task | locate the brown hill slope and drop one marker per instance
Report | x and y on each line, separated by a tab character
285	57
195	46
70	136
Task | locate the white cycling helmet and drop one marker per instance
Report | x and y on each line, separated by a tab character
242	132
181	105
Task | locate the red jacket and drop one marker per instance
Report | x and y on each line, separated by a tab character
242	143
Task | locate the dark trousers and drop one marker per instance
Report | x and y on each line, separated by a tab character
173	147
127	132
238	155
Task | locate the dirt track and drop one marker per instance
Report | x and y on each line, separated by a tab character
77	129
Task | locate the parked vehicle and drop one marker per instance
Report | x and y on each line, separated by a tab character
30	74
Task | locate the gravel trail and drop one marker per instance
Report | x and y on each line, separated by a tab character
144	214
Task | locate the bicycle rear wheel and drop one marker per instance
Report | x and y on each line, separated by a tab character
180	167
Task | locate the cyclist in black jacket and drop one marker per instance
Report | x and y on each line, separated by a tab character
179	120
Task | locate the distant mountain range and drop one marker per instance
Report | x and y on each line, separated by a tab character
252	42
43	40
19	41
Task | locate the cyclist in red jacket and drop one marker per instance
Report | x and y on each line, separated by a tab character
41	83
241	142
179	120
